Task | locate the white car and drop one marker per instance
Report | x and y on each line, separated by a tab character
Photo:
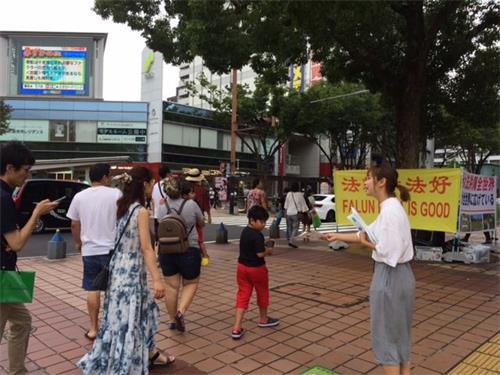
325	206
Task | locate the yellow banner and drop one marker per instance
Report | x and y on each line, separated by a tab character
434	193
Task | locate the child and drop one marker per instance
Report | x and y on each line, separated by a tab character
252	271
201	241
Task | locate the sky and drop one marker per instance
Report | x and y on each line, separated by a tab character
122	56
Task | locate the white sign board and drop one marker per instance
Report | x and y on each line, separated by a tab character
27	131
121	132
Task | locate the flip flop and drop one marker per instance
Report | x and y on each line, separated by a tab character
153	363
88	337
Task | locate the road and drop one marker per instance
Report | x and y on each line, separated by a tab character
37	244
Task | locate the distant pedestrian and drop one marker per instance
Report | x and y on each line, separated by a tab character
158	194
252	272
201	193
392	292
280	214
181	270
256	196
125	343
295	206
15	163
93	221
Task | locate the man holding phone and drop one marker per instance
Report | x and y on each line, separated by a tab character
16	161
93	221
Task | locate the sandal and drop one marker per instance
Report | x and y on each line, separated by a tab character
154	357
88	337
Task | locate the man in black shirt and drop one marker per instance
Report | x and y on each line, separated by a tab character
252	271
16	161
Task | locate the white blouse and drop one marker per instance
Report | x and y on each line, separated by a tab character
392	230
295	203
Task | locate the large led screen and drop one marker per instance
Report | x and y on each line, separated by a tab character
53	71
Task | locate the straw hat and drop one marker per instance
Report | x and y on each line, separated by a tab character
194	175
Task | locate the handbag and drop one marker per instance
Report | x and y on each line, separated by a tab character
101	280
16	286
302	215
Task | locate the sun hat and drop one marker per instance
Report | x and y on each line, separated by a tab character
194	175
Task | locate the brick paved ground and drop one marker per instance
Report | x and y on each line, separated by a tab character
320	297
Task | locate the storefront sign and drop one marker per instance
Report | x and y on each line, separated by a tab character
27	131
121	132
478	203
434	204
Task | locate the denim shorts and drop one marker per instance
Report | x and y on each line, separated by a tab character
187	264
92	265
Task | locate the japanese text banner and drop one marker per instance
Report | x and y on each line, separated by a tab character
435	195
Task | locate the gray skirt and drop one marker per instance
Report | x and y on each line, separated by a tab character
392	301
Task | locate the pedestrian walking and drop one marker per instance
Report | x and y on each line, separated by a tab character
125	343
392	291
296	207
256	196
201	193
93	221
252	272
158	195
181	270
15	163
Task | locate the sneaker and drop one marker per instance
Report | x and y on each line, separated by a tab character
271	322
179	320
237	334
292	245
172	325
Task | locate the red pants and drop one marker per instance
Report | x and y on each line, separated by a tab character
249	278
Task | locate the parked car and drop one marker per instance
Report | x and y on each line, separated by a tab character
36	190
325	206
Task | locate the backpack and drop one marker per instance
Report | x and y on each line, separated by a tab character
172	232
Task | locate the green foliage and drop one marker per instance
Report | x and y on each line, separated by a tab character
349	123
5	111
402	49
256	128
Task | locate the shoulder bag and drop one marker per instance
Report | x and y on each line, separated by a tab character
102	278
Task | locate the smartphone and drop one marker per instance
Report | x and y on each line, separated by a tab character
59	199
269	243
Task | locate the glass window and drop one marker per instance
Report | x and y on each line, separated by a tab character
36	114
61	131
135	107
226	142
63	105
36	104
172	134
110	106
190	136
85	131
208	138
86	106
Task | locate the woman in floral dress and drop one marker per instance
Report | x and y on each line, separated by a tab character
125	341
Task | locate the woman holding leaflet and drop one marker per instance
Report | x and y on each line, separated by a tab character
392	292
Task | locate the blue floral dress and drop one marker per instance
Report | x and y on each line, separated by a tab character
130	315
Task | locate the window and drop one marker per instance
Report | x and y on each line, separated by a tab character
85	131
208	138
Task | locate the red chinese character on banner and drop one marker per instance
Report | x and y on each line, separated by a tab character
439	184
480	184
350	184
416	185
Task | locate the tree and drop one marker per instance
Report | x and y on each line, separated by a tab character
350	124
469	111
398	48
5	111
257	128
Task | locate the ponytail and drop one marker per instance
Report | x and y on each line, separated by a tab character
404	193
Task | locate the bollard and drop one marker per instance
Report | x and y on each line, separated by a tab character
56	246
274	230
221	234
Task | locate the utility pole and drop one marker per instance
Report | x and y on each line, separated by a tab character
234	119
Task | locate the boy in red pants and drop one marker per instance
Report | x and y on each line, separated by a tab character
252	271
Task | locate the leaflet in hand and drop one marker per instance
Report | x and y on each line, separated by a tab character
360	224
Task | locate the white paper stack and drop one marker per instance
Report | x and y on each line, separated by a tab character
356	220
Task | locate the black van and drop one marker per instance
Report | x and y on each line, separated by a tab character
34	191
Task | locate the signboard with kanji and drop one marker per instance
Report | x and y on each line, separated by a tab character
434	204
478	203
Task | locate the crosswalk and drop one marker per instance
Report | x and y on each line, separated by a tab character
242	221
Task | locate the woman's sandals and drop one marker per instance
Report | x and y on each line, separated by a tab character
156	361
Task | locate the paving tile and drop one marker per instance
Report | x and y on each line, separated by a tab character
360	365
247	365
60	368
228	357
209	365
284	365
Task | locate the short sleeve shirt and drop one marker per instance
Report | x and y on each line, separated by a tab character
251	243
255	198
8	223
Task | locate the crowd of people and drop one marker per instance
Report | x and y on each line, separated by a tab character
111	228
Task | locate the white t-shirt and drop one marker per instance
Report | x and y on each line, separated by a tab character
392	229
156	196
95	209
295	203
